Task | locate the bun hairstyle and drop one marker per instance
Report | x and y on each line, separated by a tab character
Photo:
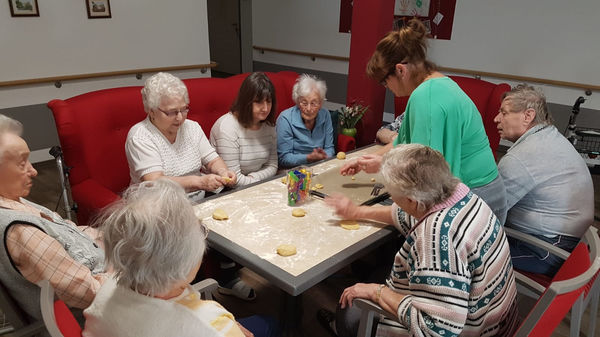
406	45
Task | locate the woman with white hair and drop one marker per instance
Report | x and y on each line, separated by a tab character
453	274
154	244
304	131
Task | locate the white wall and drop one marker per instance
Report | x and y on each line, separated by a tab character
63	41
551	39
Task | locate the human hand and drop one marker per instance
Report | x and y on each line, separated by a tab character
210	182
360	290
316	155
245	331
343	206
228	177
350	168
370	163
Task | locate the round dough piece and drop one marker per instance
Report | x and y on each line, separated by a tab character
373	179
286	250
220	214
298	212
353	178
318	186
349	225
341	155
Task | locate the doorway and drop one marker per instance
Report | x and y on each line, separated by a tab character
224	35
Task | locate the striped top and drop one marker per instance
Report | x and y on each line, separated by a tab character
455	270
251	154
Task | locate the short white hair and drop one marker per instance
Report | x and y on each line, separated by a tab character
8	125
152	237
420	173
305	85
162	85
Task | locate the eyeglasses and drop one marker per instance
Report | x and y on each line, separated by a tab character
173	113
384	80
313	104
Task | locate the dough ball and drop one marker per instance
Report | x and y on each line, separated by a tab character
284	180
286	250
298	212
318	186
349	224
227	179
220	214
341	155
353	178
372	179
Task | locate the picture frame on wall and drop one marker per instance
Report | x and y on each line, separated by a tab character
24	8
98	9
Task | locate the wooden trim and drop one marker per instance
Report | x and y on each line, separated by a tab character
105	74
475	73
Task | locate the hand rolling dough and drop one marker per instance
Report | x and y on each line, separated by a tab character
220	214
349	224
286	250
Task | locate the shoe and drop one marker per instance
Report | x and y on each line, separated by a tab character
239	289
327	320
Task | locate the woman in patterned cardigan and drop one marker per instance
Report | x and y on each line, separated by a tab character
453	273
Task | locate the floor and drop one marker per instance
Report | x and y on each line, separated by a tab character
47	191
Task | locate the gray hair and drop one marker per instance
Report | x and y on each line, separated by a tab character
162	85
152	237
306	84
524	97
420	173
8	125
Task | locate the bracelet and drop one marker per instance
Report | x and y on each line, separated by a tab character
378	294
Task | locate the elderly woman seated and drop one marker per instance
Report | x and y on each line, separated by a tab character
154	243
453	274
304	131
168	145
38	244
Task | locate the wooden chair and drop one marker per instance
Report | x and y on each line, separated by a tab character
568	286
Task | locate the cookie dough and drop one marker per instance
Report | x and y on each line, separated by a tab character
286	250
341	155
353	178
298	212
220	214
318	186
349	224
284	180
373	179
227	179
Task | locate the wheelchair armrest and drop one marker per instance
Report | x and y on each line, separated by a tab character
364	304
206	287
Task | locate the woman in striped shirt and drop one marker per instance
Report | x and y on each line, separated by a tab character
453	273
245	137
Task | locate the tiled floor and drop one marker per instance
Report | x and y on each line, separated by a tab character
46	191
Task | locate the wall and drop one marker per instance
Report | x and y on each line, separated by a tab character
63	41
551	39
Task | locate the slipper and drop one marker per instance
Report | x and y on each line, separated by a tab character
327	320
239	289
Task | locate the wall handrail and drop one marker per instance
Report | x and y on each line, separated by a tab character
58	79
475	73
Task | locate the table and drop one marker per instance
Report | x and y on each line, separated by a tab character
260	220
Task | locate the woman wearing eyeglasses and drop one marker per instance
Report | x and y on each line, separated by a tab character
438	114
304	131
166	144
245	137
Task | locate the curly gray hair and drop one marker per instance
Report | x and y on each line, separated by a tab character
419	173
8	125
152	237
162	85
305	85
524	97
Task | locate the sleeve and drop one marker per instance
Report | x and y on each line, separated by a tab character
142	156
328	129
207	151
224	138
402	221
38	257
285	144
517	179
268	169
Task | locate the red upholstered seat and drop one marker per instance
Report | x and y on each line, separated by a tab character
487	97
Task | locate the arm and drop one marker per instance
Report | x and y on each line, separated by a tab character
388	299
517	179
38	257
328	129
285	145
269	168
347	209
208	182
218	167
225	140
386	136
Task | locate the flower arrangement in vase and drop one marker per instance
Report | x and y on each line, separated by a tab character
349	116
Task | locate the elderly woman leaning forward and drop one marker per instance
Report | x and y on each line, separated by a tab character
453	274
166	144
304	131
155	244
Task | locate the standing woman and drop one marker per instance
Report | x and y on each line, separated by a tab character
438	114
304	131
245	137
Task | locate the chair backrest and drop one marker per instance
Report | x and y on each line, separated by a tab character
568	285
59	320
487	97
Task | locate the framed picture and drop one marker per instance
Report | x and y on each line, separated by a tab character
98	9
24	8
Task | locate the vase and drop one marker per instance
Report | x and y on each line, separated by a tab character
349	132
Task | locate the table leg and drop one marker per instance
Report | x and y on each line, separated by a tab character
291	315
